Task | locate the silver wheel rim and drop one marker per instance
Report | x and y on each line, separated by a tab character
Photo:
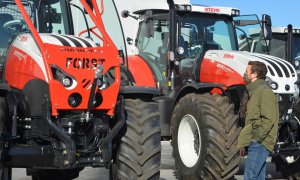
189	141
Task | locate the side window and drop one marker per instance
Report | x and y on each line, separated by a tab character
11	21
220	35
278	46
155	46
56	19
80	26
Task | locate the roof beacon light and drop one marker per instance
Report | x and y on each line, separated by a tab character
235	12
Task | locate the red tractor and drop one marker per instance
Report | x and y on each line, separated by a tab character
190	54
65	103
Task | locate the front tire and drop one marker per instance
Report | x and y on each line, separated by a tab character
204	137
290	171
138	155
5	172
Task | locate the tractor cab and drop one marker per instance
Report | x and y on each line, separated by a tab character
198	28
286	39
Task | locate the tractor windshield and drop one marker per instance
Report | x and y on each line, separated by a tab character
205	32
108	12
279	47
296	49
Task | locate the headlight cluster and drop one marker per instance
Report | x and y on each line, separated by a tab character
273	85
296	63
180	7
62	77
296	31
235	12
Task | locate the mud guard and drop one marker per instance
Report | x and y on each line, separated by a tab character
198	87
139	90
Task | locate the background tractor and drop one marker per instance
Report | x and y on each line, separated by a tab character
190	54
285	44
65	101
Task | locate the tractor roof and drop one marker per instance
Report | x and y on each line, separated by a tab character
139	7
283	30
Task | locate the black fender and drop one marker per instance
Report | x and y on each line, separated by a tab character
4	88
199	88
138	91
31	98
235	94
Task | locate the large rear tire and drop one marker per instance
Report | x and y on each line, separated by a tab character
138	155
5	172
204	137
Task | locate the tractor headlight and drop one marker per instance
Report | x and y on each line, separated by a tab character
296	92
279	98
296	31
273	85
66	80
296	63
180	50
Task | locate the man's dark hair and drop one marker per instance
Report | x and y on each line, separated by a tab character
259	68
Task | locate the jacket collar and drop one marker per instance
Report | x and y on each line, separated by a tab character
255	84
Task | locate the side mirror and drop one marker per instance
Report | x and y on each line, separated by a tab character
126	14
267	26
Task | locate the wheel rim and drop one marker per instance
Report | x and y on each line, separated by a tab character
189	141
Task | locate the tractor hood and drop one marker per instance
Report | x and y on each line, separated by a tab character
26	44
79	60
281	74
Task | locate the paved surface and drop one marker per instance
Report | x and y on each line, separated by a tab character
167	169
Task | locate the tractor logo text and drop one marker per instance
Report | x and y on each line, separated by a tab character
20	55
212	10
76	50
228	56
22	38
83	63
224	68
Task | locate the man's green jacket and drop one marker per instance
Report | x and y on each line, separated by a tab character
262	116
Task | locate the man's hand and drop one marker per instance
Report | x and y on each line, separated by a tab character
243	151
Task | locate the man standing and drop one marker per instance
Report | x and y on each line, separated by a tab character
258	137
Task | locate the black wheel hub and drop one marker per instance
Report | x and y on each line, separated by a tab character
196	142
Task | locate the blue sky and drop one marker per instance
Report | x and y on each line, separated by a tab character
282	12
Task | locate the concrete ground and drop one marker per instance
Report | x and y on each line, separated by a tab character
167	169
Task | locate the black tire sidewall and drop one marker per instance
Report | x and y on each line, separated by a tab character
189	108
145	109
5	171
